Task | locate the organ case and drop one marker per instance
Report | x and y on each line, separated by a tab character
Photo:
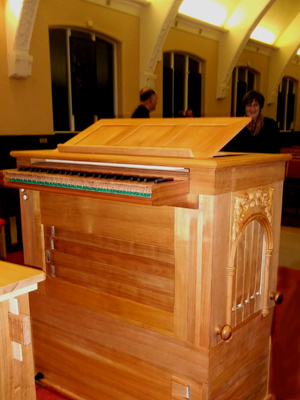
161	257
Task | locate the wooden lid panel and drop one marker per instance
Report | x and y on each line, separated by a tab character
190	137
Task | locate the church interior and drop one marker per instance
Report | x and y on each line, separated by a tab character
141	299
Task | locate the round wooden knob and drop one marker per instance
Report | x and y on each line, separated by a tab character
224	331
277	297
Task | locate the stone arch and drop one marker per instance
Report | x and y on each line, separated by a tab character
18	35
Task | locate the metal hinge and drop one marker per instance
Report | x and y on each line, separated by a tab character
53	271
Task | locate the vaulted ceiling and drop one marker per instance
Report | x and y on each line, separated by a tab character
280	17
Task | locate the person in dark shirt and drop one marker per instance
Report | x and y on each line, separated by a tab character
261	135
148	101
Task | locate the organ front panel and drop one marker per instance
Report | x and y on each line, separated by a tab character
160	254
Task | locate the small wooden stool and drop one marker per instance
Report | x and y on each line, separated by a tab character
2	239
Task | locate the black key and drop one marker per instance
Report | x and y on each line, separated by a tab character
108	176
97	175
161	180
147	178
134	178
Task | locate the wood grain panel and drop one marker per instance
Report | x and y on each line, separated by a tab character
105	374
6	361
113	244
32	234
16	377
243	374
213	248
120	308
99	330
138	286
201	137
206	204
135	223
182	251
215	180
24	370
111	258
220	256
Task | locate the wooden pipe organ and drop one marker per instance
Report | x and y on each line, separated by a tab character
161	257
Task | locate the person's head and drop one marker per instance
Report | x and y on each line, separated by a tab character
148	97
253	103
189	113
180	114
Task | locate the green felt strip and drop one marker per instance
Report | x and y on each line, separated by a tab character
62	185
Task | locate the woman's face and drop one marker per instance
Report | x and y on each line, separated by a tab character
252	110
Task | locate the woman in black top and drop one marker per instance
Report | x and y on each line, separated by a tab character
261	135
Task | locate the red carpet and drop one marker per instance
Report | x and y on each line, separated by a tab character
285	367
47	394
15	257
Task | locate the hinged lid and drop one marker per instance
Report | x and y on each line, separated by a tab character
161	137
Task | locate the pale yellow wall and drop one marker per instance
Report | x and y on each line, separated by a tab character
26	105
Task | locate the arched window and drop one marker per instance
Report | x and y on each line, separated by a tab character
82	75
286	104
243	80
181	84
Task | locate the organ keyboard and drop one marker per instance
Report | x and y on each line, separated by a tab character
161	256
153	189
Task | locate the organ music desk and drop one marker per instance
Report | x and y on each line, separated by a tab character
161	259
